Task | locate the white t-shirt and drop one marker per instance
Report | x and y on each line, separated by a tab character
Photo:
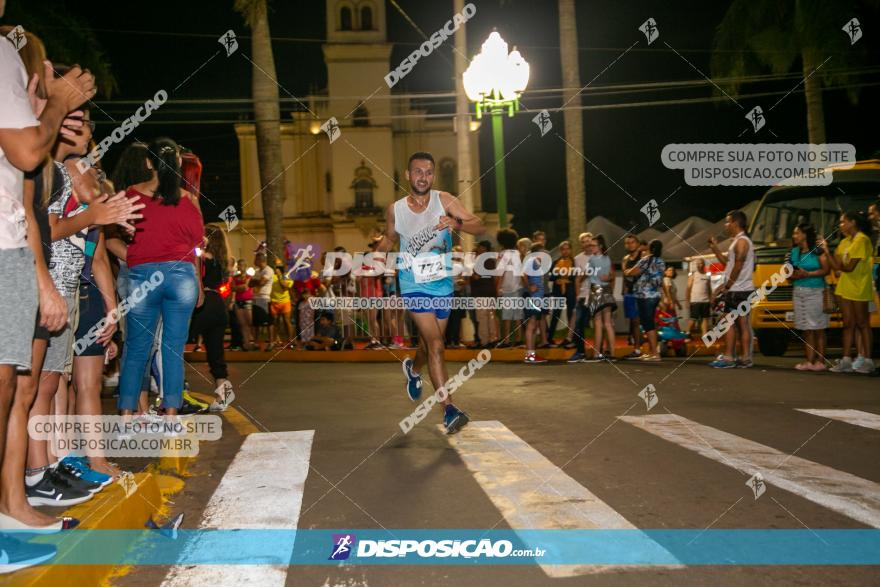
699	287
581	263
15	113
511	282
263	291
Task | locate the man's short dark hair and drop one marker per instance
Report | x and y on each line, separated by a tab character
655	247
485	244
422	155
740	218
507	238
537	234
630	235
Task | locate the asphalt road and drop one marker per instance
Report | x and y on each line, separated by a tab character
364	473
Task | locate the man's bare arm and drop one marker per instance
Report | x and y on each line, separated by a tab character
26	147
713	244
459	218
389	238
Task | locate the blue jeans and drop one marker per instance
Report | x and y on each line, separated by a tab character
581	321
168	290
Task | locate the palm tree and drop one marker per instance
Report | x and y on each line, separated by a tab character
267	121
756	35
573	120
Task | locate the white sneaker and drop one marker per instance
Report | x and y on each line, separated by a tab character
173	427
857	364
844	365
225	397
151	416
866	367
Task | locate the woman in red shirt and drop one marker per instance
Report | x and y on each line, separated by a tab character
164	277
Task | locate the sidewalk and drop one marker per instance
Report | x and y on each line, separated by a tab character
693	347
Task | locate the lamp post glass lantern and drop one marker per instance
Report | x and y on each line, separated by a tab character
494	81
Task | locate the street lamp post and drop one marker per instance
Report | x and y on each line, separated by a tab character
494	81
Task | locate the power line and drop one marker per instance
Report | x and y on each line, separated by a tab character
314	40
597	89
436	116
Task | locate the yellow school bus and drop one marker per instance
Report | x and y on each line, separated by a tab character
780	210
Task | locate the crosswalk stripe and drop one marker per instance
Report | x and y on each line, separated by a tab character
842	492
854	417
262	489
532	493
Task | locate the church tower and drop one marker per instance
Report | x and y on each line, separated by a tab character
357	54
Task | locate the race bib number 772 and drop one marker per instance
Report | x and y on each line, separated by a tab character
428	268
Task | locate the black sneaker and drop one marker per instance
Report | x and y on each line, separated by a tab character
188	408
75	478
55	491
16	555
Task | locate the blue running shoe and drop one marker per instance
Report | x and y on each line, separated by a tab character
722	363
454	419
413	381
576	358
19	555
81	465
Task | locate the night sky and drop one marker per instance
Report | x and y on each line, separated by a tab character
157	45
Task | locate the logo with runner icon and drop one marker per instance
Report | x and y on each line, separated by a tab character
342	545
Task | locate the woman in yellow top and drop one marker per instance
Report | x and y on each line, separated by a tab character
855	288
279	306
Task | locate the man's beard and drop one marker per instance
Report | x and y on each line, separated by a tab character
416	191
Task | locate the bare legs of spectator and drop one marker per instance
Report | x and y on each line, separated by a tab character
491	320
282	326
856	328
87	379
246	326
743	328
373	324
38	450
815	346
635	332
13	501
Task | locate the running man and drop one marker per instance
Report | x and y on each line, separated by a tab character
424	221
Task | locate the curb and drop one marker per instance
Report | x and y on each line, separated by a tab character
389	356
110	509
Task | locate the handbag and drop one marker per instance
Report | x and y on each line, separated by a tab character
829	301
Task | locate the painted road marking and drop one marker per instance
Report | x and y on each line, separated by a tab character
854	417
532	493
842	492
262	489
232	414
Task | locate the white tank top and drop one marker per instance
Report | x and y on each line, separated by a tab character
744	279
430	272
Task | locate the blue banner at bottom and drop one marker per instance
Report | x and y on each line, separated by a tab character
462	547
